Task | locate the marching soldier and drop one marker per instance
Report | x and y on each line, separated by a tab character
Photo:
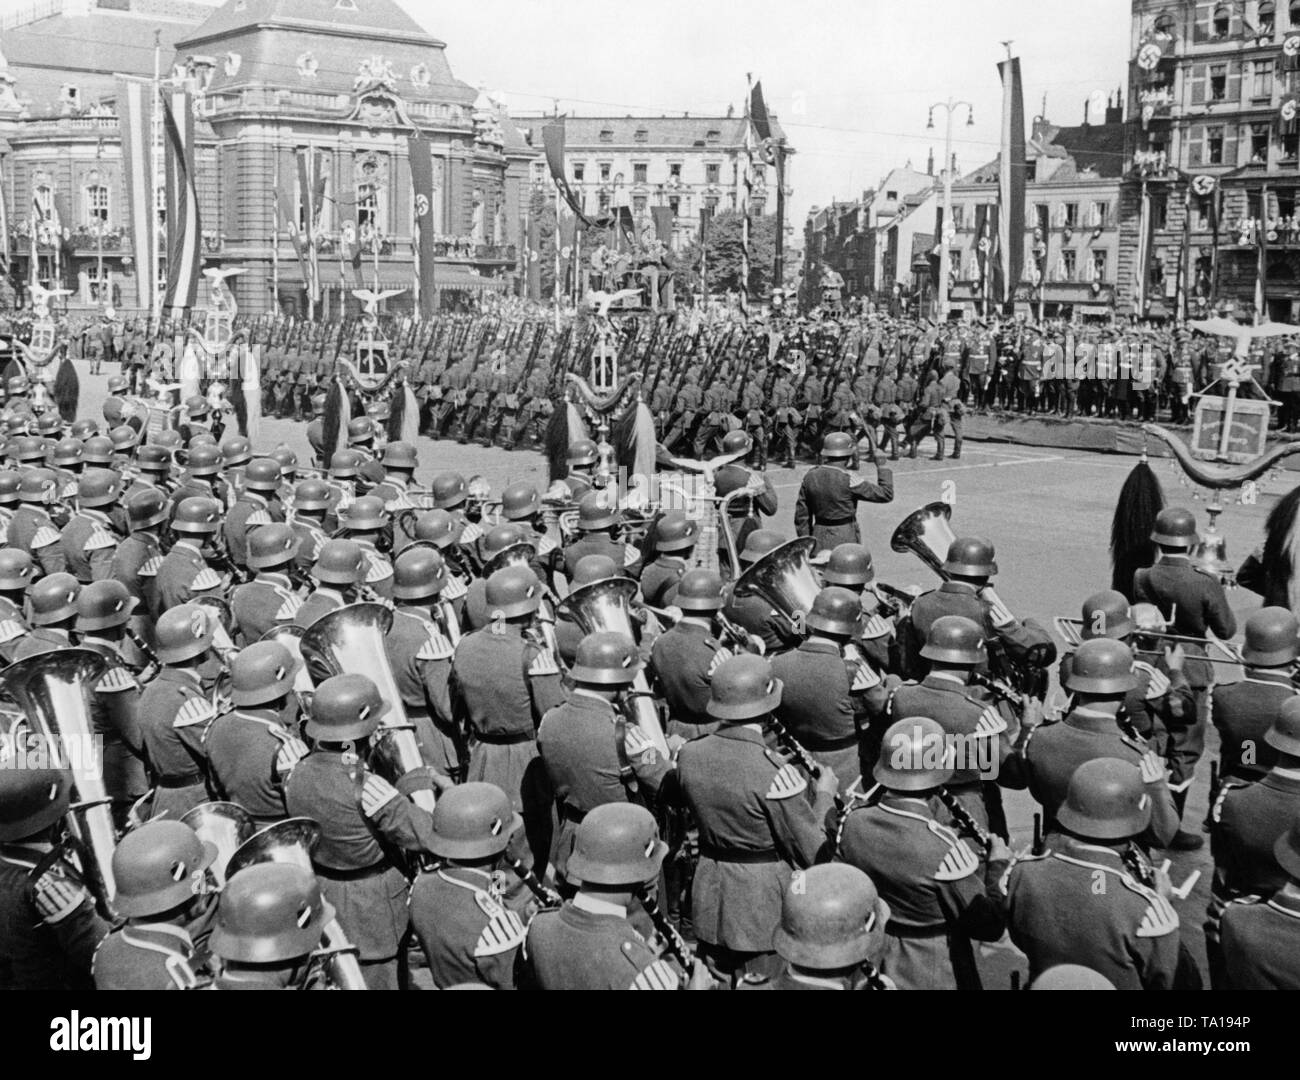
270	599
688	402
593	751
53	605
164	894
1260	941
31	527
469	929
755	823
88	540
362	818
1091	898
258	504
941	894
253	749
590	943
184	572
138	558
48	925
685	656
364	522
521	505
828	496
202	476
674	537
786	418
311	500
338	571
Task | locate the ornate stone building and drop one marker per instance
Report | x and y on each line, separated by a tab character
347	80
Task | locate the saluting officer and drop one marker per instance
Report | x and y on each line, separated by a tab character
165	894
270	599
826	508
1261	940
468	926
1080	902
362	818
755	823
941	894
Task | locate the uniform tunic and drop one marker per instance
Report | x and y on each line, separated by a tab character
589	944
467	930
826	508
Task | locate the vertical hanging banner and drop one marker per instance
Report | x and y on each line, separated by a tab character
4	227
1012	172
1142	264
419	154
311	182
183	228
133	119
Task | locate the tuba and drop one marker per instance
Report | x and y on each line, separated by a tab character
291	638
292	841
225	825
351	640
927	535
54	691
785	578
607	605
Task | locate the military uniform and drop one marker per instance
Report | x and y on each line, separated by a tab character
684	658
184	574
146	956
420	652
941	895
319	602
250	510
136	562
1078	904
659	579
1243	712
244	748
174	713
743	513
310	536
1261	943
756	825
31	529
1001	629
589	944
468	931
624	555
89	544
269	600
827	505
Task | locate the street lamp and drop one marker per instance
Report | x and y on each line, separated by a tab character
949	107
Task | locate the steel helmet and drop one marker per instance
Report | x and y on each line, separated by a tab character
168	439
914	756
593	568
236	450
117	383
146	507
1271	638
361	430
473	821
263	474
54	599
742	688
837	445
67	452
31	800
606	658
759	542
154	459
835	611
700	590
16	569
203	460
520	501
98	487
502	537
400	455
582	452
437	527
364	514
339	562
318	403
970	556
159	866
829	918
102	605
270	912
197	515
196	406
598	510
1106	615
735	442
449	491
1071	977
1147	619
849	564
27	450
345	708
97	450
955	639
17	385
84	429
202	438
1175	527
1284	733
123	437
184	632
1106	800
312	495
674	531
512	592
272	545
261	673
10	482
286	459
616	844
345	464
1101	666
418	573
50	425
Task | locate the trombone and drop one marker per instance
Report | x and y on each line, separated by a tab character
1070	629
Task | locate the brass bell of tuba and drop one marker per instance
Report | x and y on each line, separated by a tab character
927	535
225	825
54	690
785	578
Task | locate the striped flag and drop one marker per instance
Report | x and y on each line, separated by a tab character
311	180
4	228
133	118
183	228
1012	171
422	187
1142	264
746	190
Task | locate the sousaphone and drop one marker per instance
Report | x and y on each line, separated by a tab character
785	578
226	826
927	535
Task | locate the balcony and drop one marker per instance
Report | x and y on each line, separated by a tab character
1155	103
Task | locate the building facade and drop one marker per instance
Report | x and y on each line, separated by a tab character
346	80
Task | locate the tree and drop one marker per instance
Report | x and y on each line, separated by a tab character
724	250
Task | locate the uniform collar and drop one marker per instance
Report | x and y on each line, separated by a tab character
827	647
959	587
595	906
946	679
273	577
1098	723
1272	675
740	733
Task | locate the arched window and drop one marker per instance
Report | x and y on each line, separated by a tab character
1266	19
1164	24
97	205
1222	22
43	201
1293	13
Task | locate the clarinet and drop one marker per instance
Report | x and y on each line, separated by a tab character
999	687
795	747
548	898
673	941
1136	864
965	821
151	657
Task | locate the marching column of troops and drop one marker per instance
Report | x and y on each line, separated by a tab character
794	830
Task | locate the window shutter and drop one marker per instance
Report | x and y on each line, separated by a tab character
1199	75
1234	79
1195	144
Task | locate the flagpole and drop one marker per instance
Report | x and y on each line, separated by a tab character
155	264
275	229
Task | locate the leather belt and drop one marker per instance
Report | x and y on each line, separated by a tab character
827	745
174	782
738	855
896	929
505	740
833	524
335	874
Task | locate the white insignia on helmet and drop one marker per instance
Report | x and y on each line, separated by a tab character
99	539
115	681
786	783
960	862
990	722
195	711
544	664
45	536
505	931
658	976
436	645
1159	919
376	793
